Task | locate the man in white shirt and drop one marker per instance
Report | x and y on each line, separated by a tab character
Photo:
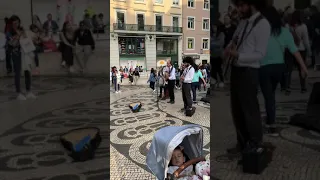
186	79
251	41
171	79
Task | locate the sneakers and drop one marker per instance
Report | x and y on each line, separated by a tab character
63	63
117	92
21	97
71	69
30	95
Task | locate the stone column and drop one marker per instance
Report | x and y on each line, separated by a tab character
151	51
114	51
180	49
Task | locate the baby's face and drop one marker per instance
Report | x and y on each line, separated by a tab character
177	158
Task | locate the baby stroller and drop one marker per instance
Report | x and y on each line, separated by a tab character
166	140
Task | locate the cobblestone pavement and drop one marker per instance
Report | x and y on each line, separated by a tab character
131	134
297	154
29	133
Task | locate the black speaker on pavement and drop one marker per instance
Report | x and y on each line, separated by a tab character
311	119
314	101
255	160
190	112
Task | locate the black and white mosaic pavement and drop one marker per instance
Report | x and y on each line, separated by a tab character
297	151
31	150
34	146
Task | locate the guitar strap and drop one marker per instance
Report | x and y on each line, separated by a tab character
244	35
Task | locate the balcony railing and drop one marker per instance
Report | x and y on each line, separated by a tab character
151	28
166	52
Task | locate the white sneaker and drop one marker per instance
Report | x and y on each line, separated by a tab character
221	84
21	97
30	95
117	92
63	63
71	69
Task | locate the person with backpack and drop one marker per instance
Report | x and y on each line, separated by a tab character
300	34
152	80
273	65
246	50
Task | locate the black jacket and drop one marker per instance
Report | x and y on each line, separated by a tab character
84	38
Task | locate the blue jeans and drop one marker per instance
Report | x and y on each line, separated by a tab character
270	76
194	87
116	85
16	59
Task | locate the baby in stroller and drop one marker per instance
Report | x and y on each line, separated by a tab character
179	158
173	152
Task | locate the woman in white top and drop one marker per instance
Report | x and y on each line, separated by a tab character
303	43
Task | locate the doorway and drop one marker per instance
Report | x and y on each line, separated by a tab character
159	23
121	20
140	21
175	23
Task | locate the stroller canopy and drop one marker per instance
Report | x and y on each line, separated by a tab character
166	140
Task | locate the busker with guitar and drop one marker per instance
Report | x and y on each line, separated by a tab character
170	78
247	49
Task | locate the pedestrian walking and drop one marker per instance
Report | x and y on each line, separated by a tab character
152	80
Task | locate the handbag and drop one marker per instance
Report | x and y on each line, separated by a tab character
27	45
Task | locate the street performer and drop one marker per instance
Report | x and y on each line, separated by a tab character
247	49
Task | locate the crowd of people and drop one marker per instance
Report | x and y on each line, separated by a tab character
168	79
260	45
22	45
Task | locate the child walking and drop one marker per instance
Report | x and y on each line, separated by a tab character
117	82
152	80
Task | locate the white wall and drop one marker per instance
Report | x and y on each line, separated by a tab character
22	8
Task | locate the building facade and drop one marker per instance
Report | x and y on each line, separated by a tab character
196	29
145	32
